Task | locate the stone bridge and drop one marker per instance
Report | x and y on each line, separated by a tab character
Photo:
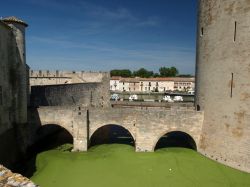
146	126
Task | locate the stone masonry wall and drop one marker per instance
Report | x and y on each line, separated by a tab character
73	119
84	94
223	80
13	98
147	126
6	93
47	77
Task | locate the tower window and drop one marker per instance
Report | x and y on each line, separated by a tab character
232	82
202	31
198	108
235	30
1	95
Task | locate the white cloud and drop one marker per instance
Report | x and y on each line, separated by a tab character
104	14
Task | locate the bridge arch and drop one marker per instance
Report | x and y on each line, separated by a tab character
111	133
175	138
53	124
50	136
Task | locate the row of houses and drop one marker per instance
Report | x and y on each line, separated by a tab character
159	84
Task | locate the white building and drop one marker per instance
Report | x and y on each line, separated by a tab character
184	84
115	83
159	84
129	84
156	84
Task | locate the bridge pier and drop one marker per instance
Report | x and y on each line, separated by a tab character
80	145
80	130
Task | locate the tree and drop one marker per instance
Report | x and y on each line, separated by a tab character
142	72
121	72
168	72
185	75
156	75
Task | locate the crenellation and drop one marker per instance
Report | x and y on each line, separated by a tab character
47	77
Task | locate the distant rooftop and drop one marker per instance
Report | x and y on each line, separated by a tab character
138	79
14	19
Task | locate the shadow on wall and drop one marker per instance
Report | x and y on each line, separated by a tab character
176	139
51	136
13	108
111	134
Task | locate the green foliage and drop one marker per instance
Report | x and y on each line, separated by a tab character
121	72
185	75
156	75
168	72
142	72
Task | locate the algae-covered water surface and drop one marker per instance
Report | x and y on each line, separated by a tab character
118	165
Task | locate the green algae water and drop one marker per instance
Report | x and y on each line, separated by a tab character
118	165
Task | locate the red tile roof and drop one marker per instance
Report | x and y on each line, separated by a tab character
138	79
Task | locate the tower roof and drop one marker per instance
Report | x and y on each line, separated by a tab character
14	19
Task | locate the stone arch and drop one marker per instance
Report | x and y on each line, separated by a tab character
130	127
111	133
56	124
51	135
175	138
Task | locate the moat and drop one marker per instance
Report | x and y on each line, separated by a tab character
118	165
175	162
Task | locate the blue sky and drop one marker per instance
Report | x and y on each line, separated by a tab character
107	34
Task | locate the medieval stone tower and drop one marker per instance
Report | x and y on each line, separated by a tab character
223	80
20	68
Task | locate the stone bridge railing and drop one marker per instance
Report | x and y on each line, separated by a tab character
146	126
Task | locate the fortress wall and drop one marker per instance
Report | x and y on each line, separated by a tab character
5	87
83	94
223	80
46	77
12	108
61	88
8	145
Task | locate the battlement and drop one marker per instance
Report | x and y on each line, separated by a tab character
62	73
47	77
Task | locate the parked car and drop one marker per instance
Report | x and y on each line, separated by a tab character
178	98
133	97
115	97
167	98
